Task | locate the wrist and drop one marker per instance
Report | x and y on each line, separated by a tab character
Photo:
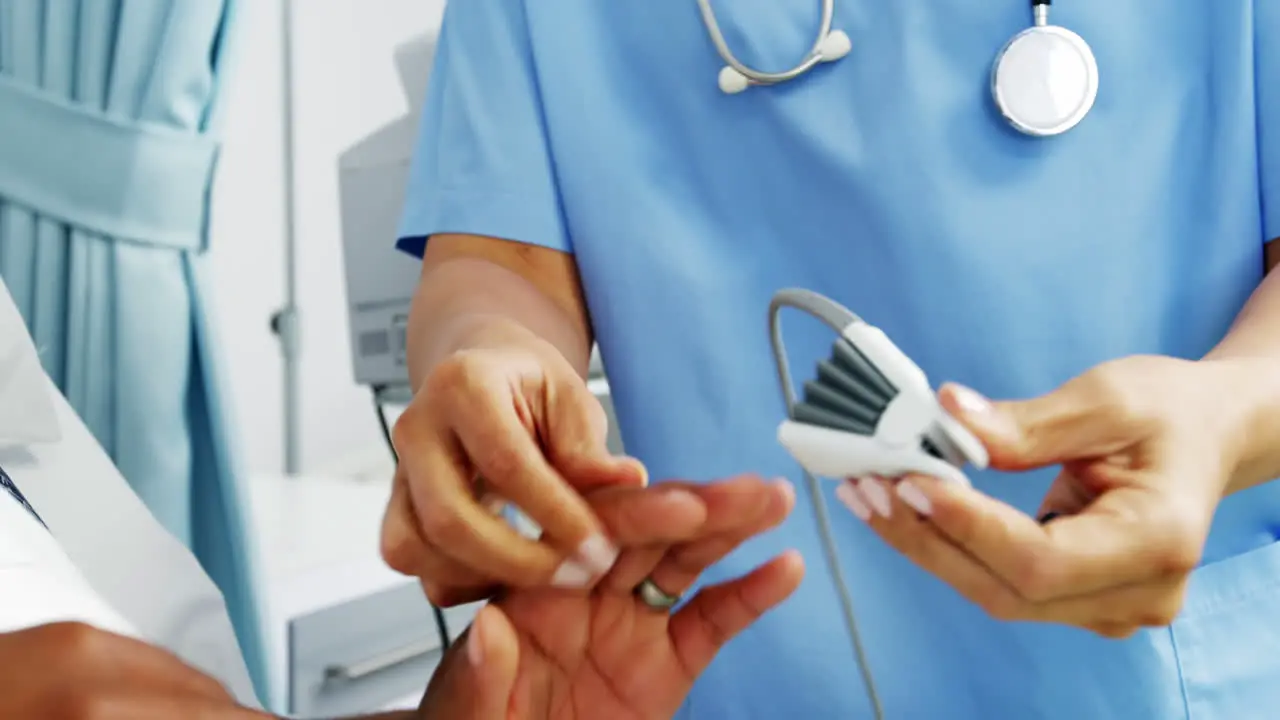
490	331
467	302
1248	388
468	331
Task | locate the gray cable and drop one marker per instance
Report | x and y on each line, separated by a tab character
767	78
442	625
837	318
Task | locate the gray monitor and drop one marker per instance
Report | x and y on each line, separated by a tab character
372	175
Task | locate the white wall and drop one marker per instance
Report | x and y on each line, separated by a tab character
345	86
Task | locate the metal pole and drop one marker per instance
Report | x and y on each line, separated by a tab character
284	323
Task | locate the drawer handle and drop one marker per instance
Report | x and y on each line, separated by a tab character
365	668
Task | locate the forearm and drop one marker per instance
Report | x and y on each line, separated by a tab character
466	301
1252	350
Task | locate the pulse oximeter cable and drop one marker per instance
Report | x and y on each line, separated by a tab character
870	411
836	317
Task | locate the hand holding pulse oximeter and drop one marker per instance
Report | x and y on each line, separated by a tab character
869	410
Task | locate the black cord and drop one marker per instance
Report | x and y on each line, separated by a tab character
442	627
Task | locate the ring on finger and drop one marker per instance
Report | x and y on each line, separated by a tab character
654	597
633	566
682	565
680	568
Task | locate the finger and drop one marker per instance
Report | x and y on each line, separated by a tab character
633	566
1066	496
452	520
576	435
718	613
903	529
1126	536
446	582
645	516
1149	604
1113	631
941	469
684	564
493	653
506	454
737	502
447	596
1075	421
731	506
399	540
1153	604
645	522
602	470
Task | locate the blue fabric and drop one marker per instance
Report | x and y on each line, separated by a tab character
78	179
109	122
888	182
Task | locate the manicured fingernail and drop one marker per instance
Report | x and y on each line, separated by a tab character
914	497
1048	517
788	490
475	644
876	496
640	470
678	495
571	575
970	401
982	412
846	494
597	554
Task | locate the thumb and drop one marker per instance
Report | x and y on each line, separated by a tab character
576	443
587	469
606	470
1066	496
493	651
1063	425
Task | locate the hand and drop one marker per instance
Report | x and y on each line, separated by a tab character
507	421
76	672
1147	447
547	654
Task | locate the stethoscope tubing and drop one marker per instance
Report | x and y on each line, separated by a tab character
757	76
1026	124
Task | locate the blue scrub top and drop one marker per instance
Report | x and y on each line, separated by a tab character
887	181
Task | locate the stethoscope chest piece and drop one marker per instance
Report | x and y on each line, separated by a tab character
1045	80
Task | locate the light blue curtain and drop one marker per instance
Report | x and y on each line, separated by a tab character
109	119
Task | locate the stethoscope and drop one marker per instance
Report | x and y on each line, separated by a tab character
1044	80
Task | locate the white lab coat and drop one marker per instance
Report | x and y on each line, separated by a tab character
104	560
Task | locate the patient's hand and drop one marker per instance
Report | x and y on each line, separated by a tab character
74	671
571	655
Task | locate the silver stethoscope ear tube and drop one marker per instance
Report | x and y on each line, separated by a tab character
736	76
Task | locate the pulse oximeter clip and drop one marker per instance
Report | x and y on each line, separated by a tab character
870	409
